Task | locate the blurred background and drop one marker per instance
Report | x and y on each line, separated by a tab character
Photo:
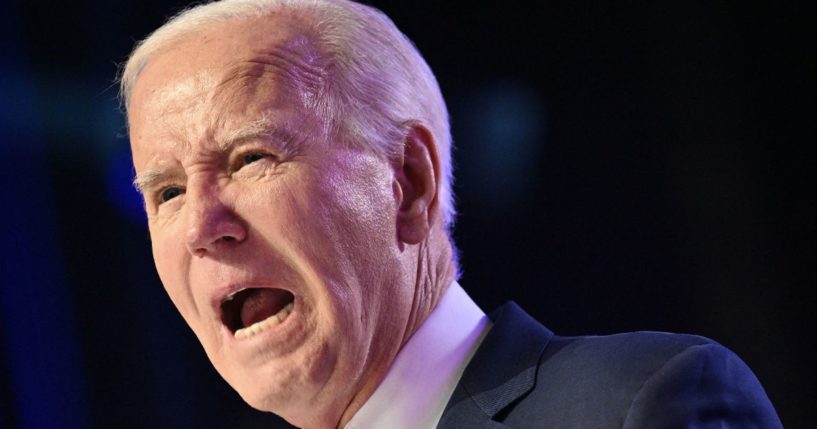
620	166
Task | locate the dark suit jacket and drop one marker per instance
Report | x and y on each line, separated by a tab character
523	376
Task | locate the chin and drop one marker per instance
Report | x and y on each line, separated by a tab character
301	407
278	403
302	414
258	398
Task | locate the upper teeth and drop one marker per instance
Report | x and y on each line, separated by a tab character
267	323
233	294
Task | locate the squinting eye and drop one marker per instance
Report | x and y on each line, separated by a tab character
169	193
252	157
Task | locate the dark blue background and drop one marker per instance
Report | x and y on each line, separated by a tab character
621	166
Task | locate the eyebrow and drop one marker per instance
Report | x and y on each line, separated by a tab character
285	140
148	179
262	127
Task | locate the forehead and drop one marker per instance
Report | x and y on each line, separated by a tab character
224	72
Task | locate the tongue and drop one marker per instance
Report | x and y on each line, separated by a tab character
263	303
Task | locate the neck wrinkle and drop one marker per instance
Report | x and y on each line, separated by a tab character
435	272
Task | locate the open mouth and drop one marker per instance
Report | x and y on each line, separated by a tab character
249	311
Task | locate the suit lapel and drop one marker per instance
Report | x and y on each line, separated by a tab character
503	370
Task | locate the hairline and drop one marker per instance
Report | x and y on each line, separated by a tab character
312	15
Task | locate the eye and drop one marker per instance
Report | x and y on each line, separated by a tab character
169	193
261	158
252	157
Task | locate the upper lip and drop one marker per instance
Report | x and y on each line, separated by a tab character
222	293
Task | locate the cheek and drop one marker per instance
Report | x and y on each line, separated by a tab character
338	223
360	200
170	260
356	230
362	211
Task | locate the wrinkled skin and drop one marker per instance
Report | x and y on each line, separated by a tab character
244	187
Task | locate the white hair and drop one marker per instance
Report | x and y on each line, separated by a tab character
380	84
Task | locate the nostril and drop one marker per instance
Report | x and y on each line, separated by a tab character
228	238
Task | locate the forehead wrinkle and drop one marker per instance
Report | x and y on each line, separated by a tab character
289	65
302	70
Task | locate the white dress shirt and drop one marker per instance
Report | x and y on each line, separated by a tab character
425	372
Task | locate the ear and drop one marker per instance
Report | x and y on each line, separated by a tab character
417	172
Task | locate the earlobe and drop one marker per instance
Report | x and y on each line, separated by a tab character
417	174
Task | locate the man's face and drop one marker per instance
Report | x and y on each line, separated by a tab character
277	245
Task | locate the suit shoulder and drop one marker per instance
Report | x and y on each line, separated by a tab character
598	376
638	377
644	346
700	386
621	360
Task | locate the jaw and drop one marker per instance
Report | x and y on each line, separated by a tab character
310	388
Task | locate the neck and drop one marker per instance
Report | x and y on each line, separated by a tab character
435	270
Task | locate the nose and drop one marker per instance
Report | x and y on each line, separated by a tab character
212	226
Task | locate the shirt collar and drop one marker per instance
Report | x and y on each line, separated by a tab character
425	372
